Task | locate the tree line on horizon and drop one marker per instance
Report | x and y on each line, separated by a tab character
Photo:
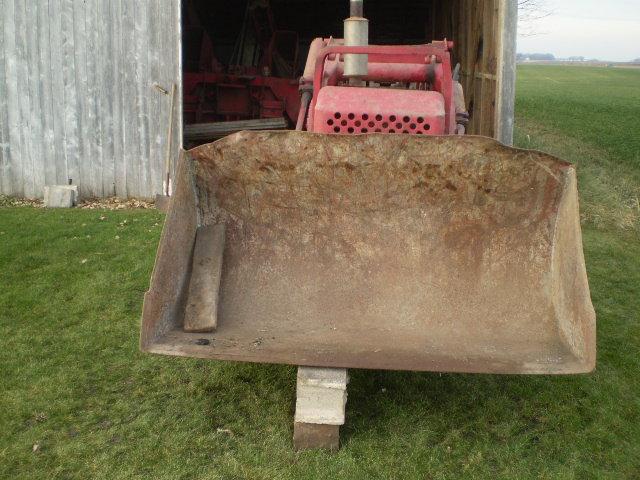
550	57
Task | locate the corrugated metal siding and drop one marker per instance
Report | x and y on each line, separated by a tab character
77	95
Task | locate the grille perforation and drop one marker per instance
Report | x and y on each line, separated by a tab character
351	123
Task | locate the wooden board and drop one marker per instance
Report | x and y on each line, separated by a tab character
201	314
208	132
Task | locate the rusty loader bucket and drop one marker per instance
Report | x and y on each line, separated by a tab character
401	252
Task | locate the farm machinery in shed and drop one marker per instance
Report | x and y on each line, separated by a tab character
258	87
263	91
376	235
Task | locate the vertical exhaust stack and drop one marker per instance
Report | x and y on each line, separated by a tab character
356	34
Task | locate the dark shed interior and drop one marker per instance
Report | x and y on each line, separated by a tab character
397	22
476	27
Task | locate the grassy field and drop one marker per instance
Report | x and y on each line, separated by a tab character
77	399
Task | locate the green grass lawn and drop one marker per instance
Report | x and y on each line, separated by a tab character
74	385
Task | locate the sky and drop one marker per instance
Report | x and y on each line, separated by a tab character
606	30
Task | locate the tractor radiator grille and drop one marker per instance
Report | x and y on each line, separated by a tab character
356	110
377	123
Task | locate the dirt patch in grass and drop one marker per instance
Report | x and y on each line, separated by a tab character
112	203
6	201
115	203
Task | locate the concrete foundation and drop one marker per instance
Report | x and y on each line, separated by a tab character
320	407
60	196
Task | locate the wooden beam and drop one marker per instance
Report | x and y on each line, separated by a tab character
200	132
201	314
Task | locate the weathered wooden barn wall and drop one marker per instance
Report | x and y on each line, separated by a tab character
485	33
77	94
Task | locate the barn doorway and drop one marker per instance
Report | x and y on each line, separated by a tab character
242	59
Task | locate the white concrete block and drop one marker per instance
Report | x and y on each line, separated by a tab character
324	377
321	395
60	196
